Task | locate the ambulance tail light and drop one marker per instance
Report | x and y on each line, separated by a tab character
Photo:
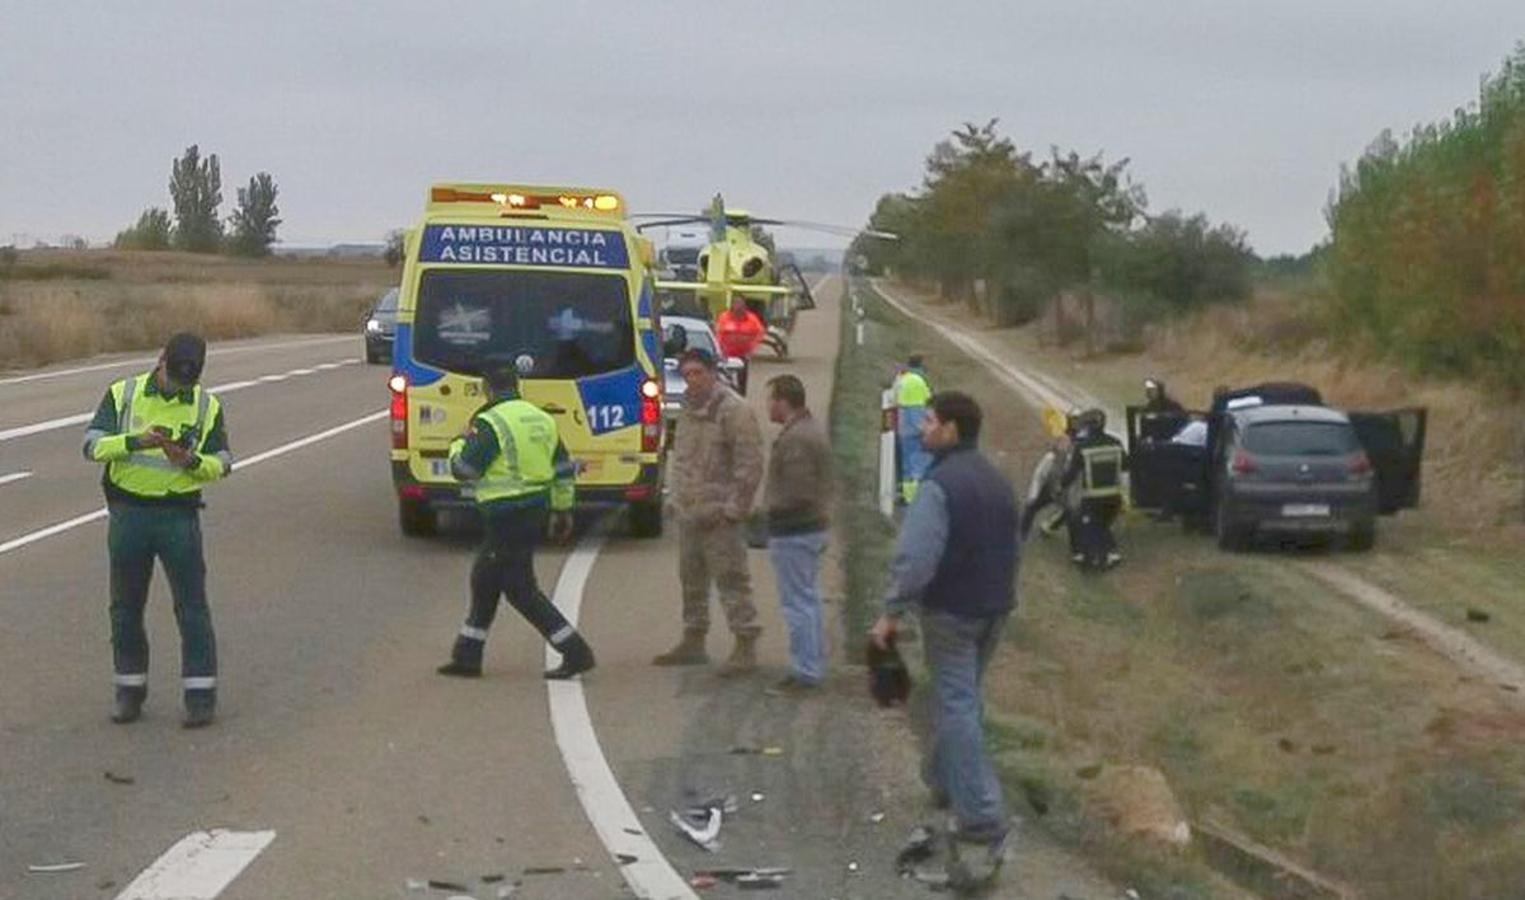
399	411
651	416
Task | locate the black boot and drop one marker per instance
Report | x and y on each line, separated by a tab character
576	658
200	708
129	705
465	658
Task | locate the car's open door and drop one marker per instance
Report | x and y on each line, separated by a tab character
1166	472
1394	442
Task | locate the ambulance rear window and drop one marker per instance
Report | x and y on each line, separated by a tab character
554	324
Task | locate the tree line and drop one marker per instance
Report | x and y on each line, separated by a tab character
1426	252
1026	230
195	190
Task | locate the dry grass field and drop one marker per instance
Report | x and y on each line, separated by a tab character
57	305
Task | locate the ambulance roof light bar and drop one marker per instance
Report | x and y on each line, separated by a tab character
508	199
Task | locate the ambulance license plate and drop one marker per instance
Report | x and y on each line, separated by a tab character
1305	511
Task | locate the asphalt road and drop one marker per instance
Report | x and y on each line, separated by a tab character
334	731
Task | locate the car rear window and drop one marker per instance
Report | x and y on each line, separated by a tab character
552	324
700	339
388	302
1301	439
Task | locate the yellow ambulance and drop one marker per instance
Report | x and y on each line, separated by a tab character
555	281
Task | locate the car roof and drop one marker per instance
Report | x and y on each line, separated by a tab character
1259	415
688	323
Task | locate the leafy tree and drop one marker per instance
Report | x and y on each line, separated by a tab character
255	220
152	232
395	248
195	188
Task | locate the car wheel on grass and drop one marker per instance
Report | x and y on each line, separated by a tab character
1231	535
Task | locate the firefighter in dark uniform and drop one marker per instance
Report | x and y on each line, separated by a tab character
161	437
1093	485
523	478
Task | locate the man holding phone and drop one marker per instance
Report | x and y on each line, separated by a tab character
161	437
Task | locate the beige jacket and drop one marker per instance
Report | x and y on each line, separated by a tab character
717	459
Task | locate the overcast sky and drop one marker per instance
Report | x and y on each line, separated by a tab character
1243	110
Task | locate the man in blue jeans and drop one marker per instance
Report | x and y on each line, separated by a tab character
796	501
956	563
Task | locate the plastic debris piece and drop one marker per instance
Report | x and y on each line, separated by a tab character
438	885
740	750
919	847
773	751
708	836
1477	615
758	796
415	884
1132	894
626	859
507	890
494	878
703	882
635	831
114	778
55	868
756	881
876	817
545	870
852	866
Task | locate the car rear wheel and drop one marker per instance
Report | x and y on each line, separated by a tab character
646	518
1231	535
1362	537
416	518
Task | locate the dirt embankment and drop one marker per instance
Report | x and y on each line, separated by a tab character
58	305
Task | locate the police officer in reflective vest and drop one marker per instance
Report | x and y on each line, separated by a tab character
161	437
523	477
1093	482
912	392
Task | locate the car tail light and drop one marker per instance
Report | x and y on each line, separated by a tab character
1242	464
651	416
399	410
1361	464
412	492
638	492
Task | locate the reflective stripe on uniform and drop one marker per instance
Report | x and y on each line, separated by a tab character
124	408
474	634
1095	457
152	462
91	436
563	634
138	680
199	682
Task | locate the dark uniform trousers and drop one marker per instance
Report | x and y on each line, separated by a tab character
137	535
505	568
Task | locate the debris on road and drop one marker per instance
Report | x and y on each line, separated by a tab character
626	859
706	836
773	751
759	879
876	817
758	796
114	778
545	870
55	868
703	882
1477	615
493	878
439	885
1287	745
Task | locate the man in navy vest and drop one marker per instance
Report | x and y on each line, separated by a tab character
956	563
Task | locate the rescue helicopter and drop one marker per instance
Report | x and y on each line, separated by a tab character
739	262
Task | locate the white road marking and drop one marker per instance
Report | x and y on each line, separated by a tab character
623	835
22	431
14	477
199	866
239	465
149	360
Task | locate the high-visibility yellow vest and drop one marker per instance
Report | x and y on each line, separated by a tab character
148	472
1103	472
526	460
911	389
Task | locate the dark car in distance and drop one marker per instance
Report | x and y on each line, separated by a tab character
380	328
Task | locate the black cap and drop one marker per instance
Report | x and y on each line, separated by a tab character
184	357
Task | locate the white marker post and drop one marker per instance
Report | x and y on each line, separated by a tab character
888	417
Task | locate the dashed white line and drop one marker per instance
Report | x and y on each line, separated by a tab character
239	465
199	866
146	360
22	431
649	875
14	477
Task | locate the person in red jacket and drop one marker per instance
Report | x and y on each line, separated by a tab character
739	331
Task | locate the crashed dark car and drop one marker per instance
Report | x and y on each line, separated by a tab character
381	328
1274	460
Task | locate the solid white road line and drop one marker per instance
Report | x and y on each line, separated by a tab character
14	477
239	465
147	360
199	866
21	431
623	835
